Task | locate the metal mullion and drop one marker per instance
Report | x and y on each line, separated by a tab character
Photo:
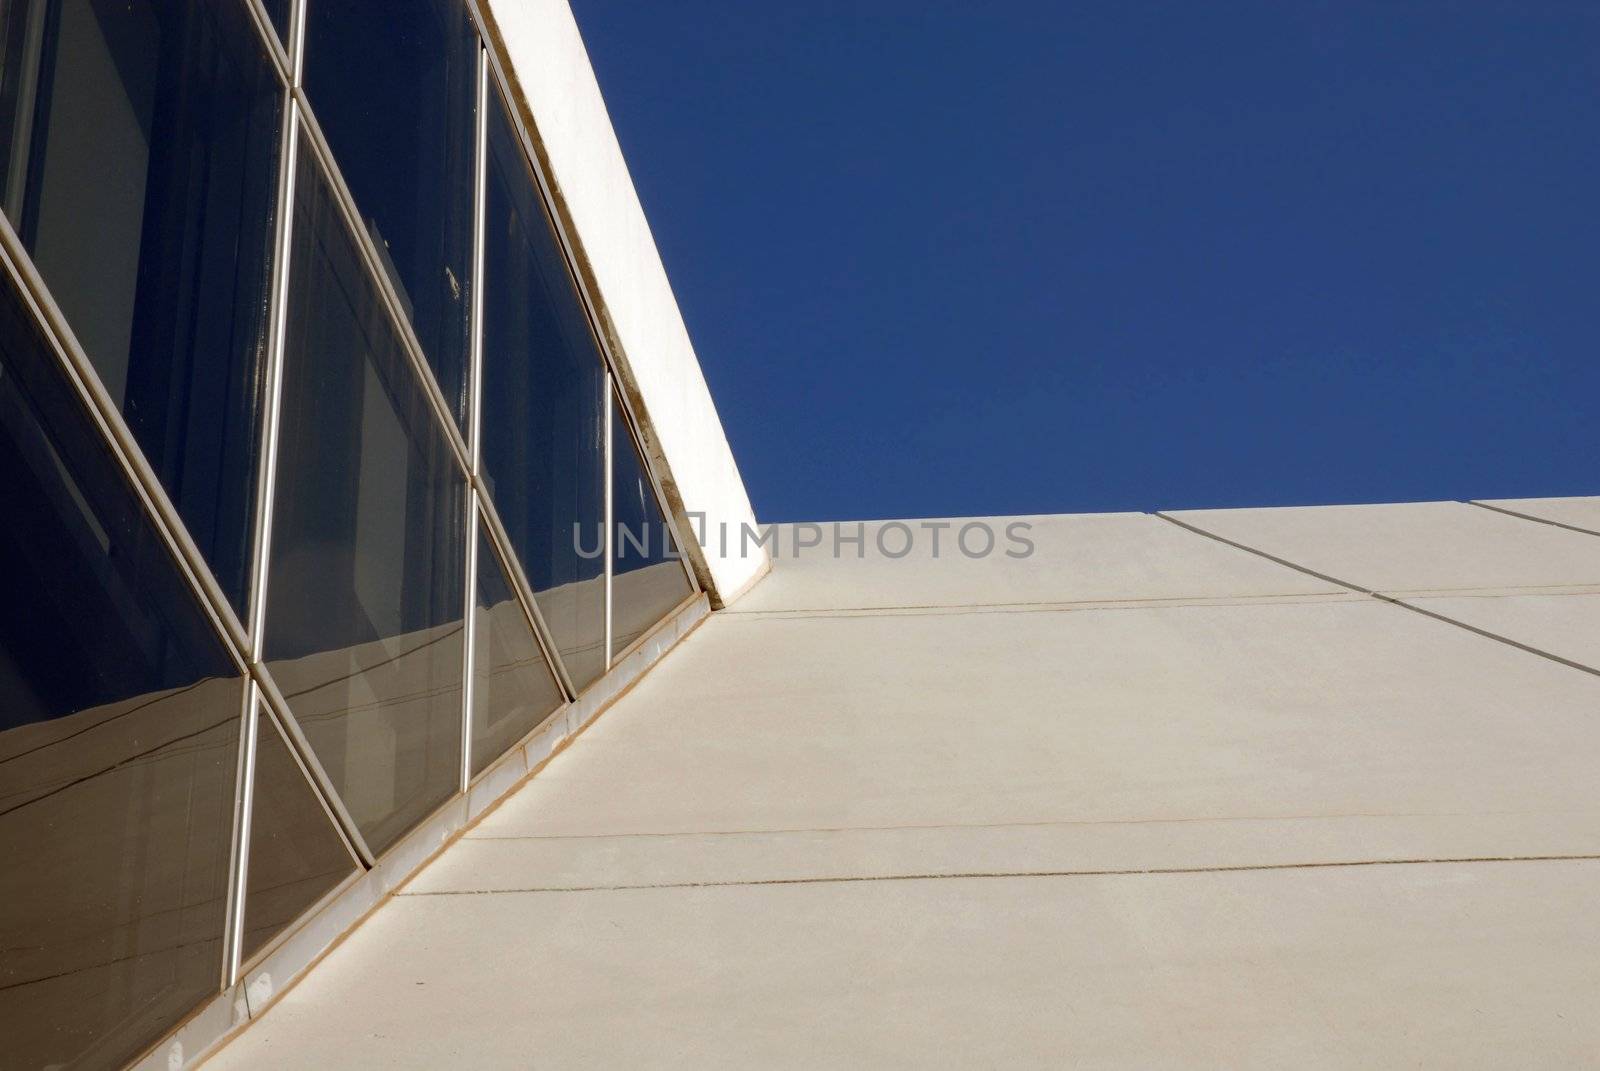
569	253
273	699
524	590
243	810
269	38
470	640
239	847
265	720
323	155
124	449
506	562
267	478
297	42
606	460
474	411
480	179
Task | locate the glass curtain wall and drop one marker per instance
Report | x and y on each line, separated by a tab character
209	725
138	147
544	397
119	723
648	579
364	628
397	81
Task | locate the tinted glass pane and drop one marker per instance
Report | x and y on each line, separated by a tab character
512	687
119	715
394	86
138	149
278	12
543	410
364	629
647	576
296	855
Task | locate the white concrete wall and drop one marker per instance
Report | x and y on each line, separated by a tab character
546	59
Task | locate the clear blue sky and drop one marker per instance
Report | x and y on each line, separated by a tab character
945	259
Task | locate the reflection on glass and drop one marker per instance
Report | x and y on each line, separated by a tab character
393	86
543	409
296	855
364	630
647	576
138	149
513	689
119	720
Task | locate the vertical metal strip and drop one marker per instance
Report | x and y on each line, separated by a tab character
480	178
297	42
605	460
474	419
244	807
274	391
470	633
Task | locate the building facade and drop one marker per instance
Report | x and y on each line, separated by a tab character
325	478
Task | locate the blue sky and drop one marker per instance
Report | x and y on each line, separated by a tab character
944	259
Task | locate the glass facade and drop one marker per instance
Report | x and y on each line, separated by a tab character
296	854
138	146
513	689
262	338
648	579
398	81
544	397
366	579
119	726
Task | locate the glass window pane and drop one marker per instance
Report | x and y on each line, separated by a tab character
364	629
278	12
394	88
543	410
296	854
138	155
647	576
513	689
119	719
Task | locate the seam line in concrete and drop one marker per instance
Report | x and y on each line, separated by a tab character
1263	554
1531	517
994	874
1042	824
1390	599
1169	602
1569	663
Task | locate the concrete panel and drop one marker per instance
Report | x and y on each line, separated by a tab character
1578	512
1467	965
1087	557
1413	546
1207	820
1244	712
617	255
1567	626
